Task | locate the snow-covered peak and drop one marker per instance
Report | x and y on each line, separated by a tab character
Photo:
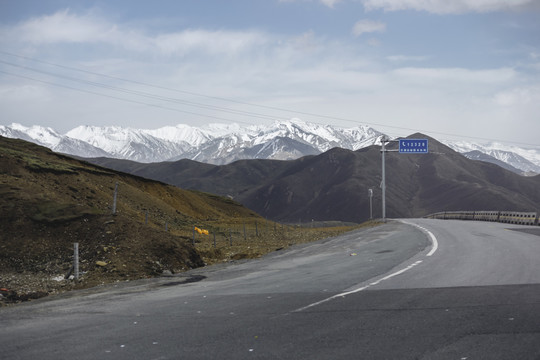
39	134
108	138
181	133
18	127
86	132
127	143
219	130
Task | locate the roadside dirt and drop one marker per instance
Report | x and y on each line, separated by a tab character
115	249
110	249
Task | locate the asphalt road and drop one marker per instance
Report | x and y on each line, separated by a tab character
453	290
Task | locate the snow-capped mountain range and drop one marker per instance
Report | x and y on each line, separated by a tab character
214	143
224	143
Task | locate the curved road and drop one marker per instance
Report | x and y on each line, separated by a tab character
417	289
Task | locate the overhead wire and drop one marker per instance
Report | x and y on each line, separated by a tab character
144	94
119	98
205	96
206	106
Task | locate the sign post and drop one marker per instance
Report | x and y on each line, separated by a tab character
406	146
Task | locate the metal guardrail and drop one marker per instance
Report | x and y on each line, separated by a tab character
509	217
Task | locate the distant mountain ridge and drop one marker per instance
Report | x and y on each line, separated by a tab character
225	143
334	185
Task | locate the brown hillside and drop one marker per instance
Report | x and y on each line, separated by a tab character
334	185
49	201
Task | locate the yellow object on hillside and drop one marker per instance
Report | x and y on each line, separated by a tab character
201	231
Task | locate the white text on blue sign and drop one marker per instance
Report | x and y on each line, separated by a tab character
416	146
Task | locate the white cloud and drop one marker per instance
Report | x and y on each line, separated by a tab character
440	76
208	41
306	71
23	93
518	96
406	58
373	42
448	6
368	26
64	27
330	3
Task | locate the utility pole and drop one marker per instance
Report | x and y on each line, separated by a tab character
384	140
408	146
370	194
383	182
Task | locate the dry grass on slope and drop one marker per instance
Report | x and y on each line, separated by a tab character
49	201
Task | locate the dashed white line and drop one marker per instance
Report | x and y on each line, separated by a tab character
354	291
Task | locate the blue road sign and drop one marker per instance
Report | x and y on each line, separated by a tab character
413	146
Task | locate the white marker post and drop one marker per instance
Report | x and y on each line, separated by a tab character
114	198
76	261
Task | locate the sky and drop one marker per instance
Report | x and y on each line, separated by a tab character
452	69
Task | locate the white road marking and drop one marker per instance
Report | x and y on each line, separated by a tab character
343	294
434	247
434	242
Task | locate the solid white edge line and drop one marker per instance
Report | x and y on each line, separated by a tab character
434	242
434	247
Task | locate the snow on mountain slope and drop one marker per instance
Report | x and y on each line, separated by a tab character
524	159
42	135
281	148
50	138
219	130
478	155
321	137
131	144
17	131
181	133
283	140
227	149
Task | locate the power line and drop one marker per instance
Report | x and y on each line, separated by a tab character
145	94
205	96
119	98
211	107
